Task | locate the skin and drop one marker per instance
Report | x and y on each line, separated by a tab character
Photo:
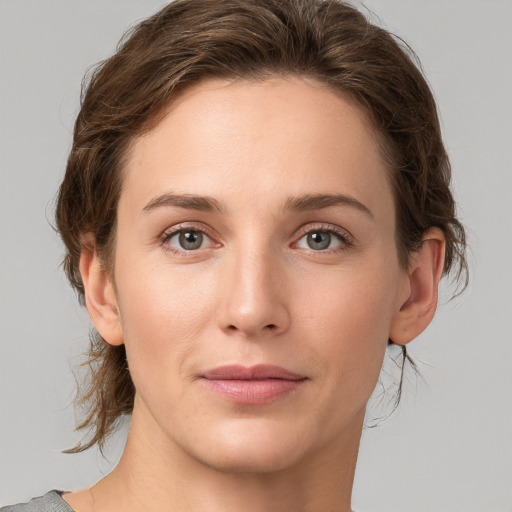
255	292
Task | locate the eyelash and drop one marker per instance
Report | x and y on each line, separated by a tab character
342	235
345	238
182	228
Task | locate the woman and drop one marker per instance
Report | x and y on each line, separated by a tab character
255	205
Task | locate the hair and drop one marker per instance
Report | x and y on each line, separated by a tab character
328	41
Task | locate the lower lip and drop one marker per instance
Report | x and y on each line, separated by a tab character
252	392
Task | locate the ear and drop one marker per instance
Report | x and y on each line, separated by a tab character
420	291
100	297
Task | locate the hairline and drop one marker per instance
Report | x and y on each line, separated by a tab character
383	144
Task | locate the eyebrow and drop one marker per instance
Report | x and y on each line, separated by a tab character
209	204
187	201
320	201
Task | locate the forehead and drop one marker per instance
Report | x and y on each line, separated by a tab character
221	137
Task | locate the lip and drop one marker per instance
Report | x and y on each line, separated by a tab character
254	385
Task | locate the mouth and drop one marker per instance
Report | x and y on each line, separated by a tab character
255	385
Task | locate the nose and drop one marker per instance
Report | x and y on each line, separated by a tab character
254	299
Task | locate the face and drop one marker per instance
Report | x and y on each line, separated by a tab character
256	273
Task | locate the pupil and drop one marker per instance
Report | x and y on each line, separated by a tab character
319	240
190	240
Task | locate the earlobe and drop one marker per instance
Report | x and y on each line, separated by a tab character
418	306
100	298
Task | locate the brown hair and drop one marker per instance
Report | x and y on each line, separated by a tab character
190	40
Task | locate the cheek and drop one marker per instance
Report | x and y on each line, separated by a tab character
348	314
357	304
163	314
350	337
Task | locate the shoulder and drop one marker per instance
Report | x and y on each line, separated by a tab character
51	502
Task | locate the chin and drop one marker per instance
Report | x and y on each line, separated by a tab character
249	461
251	449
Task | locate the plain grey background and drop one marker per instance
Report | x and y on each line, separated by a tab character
449	446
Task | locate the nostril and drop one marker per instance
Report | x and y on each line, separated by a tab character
269	327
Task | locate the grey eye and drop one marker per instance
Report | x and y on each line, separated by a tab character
187	239
321	240
318	240
190	240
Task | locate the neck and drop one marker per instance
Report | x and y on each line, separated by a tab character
154	477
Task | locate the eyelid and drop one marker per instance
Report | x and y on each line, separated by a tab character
168	233
345	236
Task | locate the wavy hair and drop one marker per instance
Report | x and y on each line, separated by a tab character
188	41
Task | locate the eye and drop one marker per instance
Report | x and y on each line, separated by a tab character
322	240
187	239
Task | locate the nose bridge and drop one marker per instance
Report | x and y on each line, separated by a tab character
254	301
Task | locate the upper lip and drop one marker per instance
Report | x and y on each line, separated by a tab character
258	372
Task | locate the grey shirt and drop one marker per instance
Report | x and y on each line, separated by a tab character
51	502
